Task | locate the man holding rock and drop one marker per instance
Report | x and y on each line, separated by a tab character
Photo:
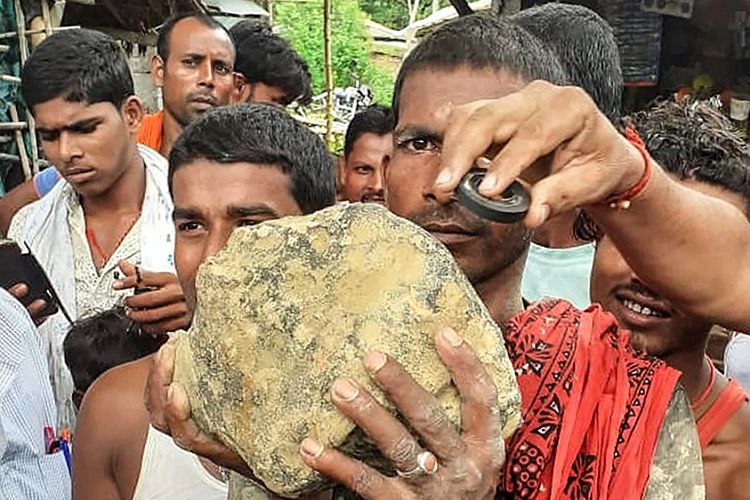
597	417
265	165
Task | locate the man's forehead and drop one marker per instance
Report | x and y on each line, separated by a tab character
192	36
428	94
369	144
60	113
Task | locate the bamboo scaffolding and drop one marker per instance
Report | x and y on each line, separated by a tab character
20	143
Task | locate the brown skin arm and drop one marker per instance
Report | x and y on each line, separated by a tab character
696	251
693	249
13	201
111	434
726	459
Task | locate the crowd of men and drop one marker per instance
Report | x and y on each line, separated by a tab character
644	216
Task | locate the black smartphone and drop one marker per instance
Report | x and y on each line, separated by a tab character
19	267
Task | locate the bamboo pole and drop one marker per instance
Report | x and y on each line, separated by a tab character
23	43
12	34
20	144
328	70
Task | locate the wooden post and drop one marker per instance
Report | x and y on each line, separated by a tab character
20	144
23	44
328	64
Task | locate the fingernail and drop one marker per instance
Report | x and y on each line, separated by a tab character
345	389
375	360
170	393
444	178
451	337
117	285
488	183
311	448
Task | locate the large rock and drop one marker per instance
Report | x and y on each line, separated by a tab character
290	305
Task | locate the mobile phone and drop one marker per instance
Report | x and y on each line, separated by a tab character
19	267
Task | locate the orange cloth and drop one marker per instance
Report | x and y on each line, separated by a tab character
150	134
727	404
592	407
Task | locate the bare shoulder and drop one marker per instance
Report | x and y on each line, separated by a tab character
727	458
115	401
111	433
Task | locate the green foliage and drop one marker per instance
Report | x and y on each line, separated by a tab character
302	25
391	13
395	13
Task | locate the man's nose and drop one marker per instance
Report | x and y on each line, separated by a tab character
67	148
206	74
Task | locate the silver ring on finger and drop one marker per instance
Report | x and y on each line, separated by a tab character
423	467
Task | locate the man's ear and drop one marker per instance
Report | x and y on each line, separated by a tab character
157	70
242	89
132	113
340	169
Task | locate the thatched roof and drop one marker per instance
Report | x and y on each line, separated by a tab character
132	15
134	21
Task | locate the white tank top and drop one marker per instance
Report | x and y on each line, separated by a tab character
170	473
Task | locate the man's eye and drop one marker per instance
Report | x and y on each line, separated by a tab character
86	130
190	63
222	69
247	223
189	227
49	136
420	144
364	170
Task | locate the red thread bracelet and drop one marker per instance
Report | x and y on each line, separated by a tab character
622	201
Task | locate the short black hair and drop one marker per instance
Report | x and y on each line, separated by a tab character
481	42
100	342
79	65
266	135
586	47
691	141
165	31
373	119
265	57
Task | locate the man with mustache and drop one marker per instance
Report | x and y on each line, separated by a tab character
194	68
598	419
113	214
367	149
696	145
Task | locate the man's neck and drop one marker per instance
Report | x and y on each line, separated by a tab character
501	293
127	193
557	232
170	131
695	368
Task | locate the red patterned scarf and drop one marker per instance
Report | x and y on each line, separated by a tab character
592	408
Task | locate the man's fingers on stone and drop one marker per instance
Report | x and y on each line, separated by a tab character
354	475
177	412
421	410
159	379
479	404
389	435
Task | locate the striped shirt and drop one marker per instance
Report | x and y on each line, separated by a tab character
26	407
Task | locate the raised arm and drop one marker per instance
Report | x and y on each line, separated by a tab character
691	248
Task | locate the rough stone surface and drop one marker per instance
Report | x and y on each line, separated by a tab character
677	469
293	304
